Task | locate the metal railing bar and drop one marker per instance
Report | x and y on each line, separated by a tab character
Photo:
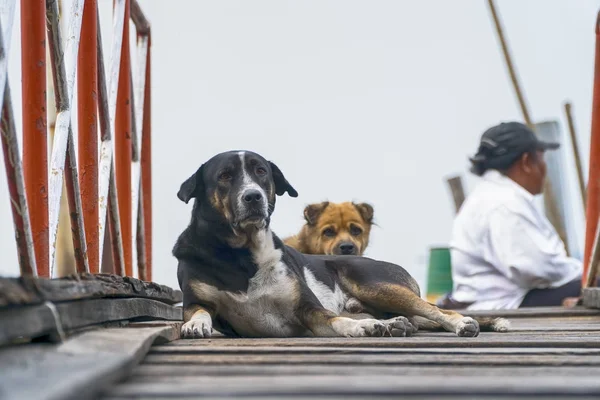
115	59
137	114
16	188
141	237
34	118
64	66
146	163
10	148
107	188
142	26
122	139
7	10
87	129
138	89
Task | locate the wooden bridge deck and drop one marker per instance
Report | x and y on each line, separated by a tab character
552	353
109	337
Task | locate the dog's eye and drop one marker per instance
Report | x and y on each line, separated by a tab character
224	176
329	232
355	230
261	171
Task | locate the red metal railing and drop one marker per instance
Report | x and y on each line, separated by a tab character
87	91
591	257
35	167
118	106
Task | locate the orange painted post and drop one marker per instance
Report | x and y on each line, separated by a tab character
35	159
123	145
593	190
87	91
146	161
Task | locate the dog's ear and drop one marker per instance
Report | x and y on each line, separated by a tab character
192	187
281	184
366	211
313	211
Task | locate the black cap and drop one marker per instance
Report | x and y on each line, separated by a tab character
501	145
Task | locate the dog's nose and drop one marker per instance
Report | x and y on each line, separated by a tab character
252	196
347	248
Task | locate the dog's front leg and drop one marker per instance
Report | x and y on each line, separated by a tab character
198	322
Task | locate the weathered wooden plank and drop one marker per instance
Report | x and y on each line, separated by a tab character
367	385
591	297
526	339
28	290
96	311
342	397
382	351
35	321
555	324
388	359
28	322
80	367
533	312
159	373
533	326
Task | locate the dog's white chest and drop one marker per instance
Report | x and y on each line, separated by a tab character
267	308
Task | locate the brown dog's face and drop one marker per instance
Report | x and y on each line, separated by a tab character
338	228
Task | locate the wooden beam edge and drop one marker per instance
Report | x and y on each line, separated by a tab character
27	290
62	319
81	367
591	297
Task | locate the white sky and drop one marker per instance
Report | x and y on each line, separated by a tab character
372	101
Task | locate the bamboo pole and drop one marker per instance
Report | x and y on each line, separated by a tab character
457	190
576	153
549	197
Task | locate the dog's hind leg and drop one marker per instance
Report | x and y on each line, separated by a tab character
398	299
486	324
388	288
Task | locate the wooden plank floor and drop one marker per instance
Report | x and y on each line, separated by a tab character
555	356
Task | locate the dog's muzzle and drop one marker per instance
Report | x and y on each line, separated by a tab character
345	249
252	208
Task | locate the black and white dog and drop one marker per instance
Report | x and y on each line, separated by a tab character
240	279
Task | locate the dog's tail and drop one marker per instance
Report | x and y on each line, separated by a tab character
486	324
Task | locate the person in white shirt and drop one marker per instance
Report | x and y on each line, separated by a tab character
505	253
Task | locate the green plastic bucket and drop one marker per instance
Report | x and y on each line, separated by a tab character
439	274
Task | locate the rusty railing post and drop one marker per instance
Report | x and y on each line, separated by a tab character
123	145
87	91
593	190
35	159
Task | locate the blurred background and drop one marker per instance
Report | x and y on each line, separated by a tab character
376	101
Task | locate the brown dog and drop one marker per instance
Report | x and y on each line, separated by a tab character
334	229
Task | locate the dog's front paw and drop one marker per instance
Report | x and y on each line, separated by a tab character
467	327
399	326
370	327
196	329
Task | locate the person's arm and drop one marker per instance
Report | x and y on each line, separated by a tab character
521	251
